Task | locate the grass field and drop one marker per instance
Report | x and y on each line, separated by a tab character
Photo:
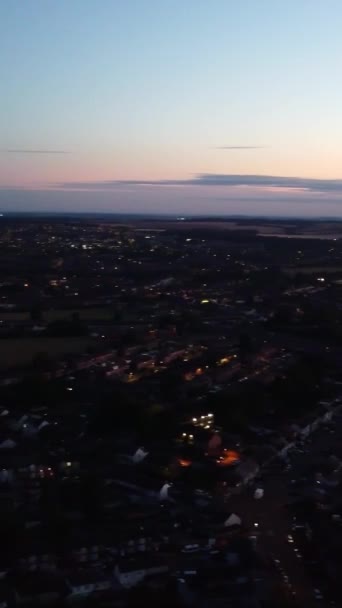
100	314
20	351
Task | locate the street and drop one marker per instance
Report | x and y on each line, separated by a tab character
272	525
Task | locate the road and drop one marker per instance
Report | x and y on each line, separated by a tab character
272	523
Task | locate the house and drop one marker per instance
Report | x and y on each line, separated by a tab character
247	471
86	554
4	595
8	444
219	585
5	563
232	520
36	558
144	487
37	588
6	476
84	582
139	455
131	571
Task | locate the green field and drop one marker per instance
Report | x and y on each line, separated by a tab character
20	351
86	314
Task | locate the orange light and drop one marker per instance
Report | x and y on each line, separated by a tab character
189	376
229	457
184	463
225	360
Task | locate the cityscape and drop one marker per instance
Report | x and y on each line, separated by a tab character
171	412
170	304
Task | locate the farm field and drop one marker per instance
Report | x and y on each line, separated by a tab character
86	314
20	351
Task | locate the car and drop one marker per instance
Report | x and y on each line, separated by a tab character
191	548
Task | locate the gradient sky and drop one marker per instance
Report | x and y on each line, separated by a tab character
139	105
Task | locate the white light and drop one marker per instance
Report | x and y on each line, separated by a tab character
210	415
256	525
183	434
194	420
191	436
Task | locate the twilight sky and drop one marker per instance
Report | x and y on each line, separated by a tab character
184	106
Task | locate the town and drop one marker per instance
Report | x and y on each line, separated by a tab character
170	412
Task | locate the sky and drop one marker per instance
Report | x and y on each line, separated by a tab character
171	106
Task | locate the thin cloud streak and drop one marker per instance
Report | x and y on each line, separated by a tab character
241	147
208	179
28	151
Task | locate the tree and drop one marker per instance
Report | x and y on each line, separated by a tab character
41	361
36	313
